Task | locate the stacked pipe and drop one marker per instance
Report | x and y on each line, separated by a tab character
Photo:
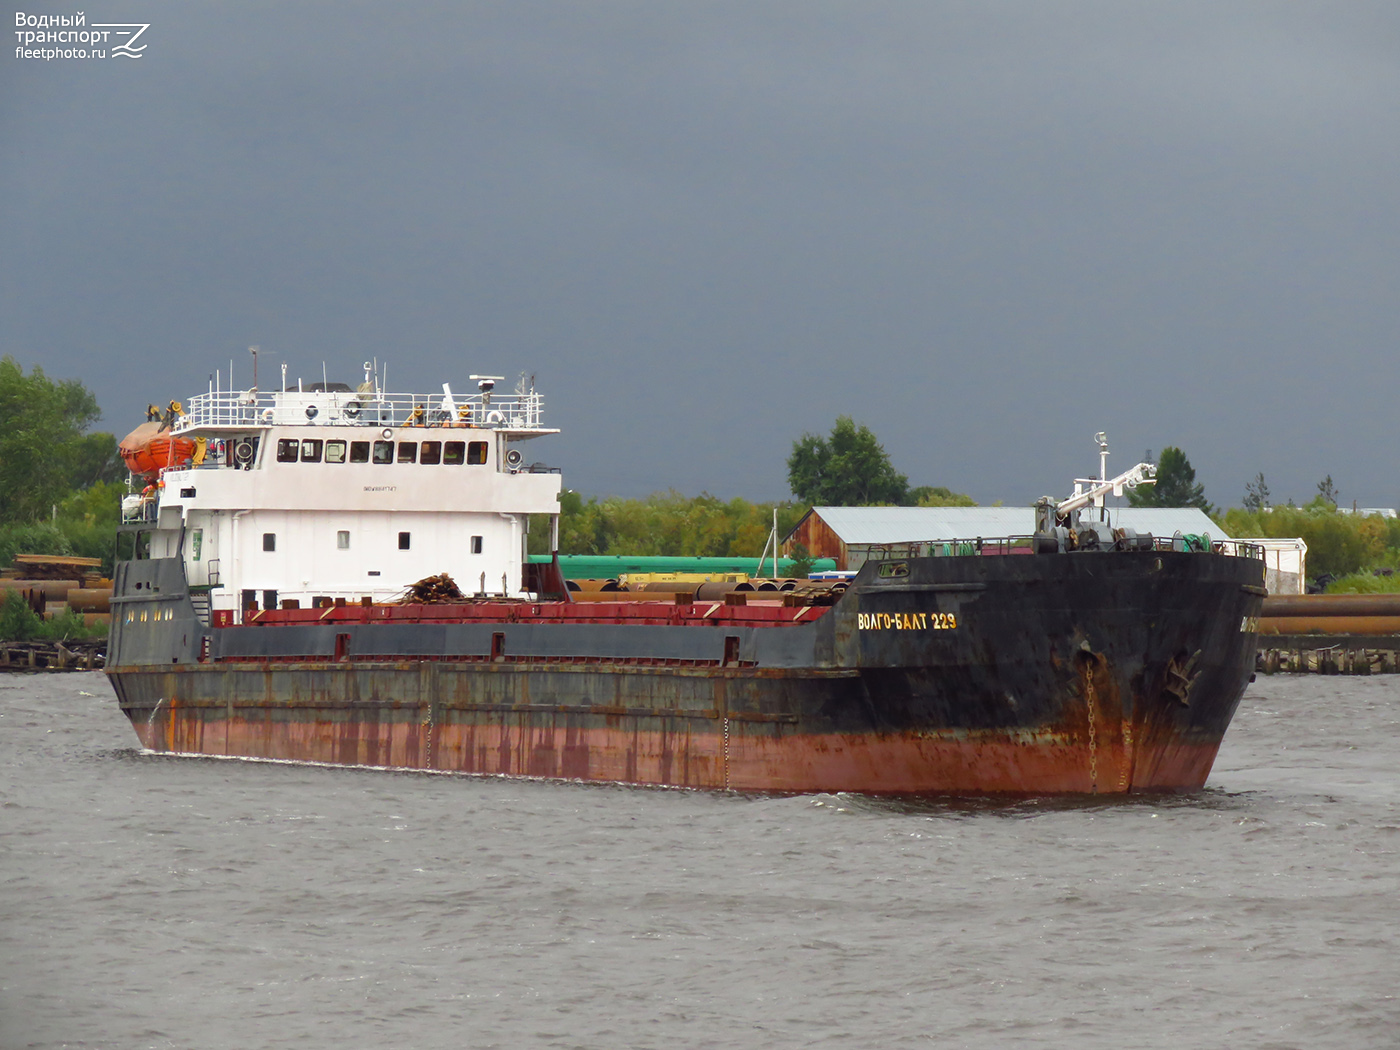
1347	614
50	597
788	592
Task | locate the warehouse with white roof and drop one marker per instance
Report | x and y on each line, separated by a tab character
847	533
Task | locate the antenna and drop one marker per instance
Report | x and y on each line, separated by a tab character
254	351
1102	440
486	384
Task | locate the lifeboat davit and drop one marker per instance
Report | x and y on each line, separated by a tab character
151	448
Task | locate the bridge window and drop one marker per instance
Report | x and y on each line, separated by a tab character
454	452
269	541
476	453
359	452
384	452
342	540
335	452
476	544
287	450
311	450
432	452
403	541
408	451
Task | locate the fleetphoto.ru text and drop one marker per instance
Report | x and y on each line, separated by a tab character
50	37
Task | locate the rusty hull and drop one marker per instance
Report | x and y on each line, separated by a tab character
679	728
1082	673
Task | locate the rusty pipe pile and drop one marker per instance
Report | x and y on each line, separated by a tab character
1333	614
51	590
801	592
51	584
50	598
90	599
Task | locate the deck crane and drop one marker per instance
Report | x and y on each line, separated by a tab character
1060	519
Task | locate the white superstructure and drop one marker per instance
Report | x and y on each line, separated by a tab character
324	493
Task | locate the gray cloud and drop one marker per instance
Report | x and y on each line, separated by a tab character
985	230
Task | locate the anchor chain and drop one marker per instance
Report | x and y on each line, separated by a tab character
726	751
1123	780
427	724
1093	732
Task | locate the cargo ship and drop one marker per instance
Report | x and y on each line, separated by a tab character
265	606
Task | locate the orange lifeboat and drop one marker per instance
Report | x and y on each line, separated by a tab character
151	448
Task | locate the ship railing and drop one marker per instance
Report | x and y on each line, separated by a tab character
138	510
856	554
232	409
977	546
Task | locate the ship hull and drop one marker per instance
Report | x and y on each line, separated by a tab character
1098	673
753	757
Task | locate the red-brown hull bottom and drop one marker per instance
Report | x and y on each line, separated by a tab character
745	758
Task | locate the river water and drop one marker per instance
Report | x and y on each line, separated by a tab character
150	901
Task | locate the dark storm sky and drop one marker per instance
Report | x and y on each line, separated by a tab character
986	230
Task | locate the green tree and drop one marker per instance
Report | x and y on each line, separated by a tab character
1338	544
1328	491
1256	494
848	469
1176	484
96	461
18	622
939	496
44	450
40	537
665	523
802	560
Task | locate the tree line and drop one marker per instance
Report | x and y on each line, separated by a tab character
1346	552
61	484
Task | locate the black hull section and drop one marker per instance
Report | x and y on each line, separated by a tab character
1084	672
